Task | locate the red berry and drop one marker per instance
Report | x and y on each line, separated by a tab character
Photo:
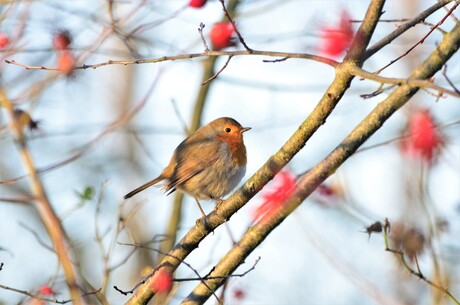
424	140
220	35
276	194
62	40
239	294
66	61
46	290
4	40
326	190
335	40
162	282
197	3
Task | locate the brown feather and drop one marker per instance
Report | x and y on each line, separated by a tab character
143	187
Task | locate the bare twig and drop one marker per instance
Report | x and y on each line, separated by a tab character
317	58
37	237
200	278
106	253
29	67
377	92
404	20
417	273
346	268
218	72
235	28
400	81
99	237
220	277
51	300
180	117
444	73
275	60
420	41
203	40
150	25
452	16
24	200
404	27
110	10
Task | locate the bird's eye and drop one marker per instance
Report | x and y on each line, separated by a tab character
228	129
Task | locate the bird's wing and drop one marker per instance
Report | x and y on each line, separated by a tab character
196	157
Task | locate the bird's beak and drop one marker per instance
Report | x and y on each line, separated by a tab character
244	129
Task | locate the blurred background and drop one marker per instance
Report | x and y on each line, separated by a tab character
321	254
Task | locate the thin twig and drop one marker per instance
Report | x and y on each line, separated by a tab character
55	301
203	40
404	27
275	60
419	83
220	277
417	273
180	117
155	23
317	58
420	41
444	73
37	237
99	237
383	20
404	20
24	200
110	10
454	18
379	91
28	67
137	245
234	27
218	72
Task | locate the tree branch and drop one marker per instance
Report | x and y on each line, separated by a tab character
419	83
317	58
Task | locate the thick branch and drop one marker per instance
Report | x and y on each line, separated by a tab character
365	31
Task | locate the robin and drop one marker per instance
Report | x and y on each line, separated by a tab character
207	165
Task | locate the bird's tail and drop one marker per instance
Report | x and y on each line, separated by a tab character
143	187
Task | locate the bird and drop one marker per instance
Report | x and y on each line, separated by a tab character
206	165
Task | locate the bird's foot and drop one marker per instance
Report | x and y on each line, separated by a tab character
219	202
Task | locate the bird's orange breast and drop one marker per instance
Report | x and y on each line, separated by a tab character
237	149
